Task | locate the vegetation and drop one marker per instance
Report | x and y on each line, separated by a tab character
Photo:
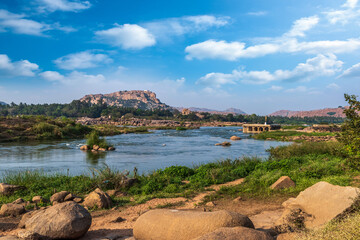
94	139
285	135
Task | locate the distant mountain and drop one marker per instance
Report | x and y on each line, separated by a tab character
326	112
234	111
145	100
3	103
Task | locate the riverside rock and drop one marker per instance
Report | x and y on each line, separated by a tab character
235	138
38	199
8	189
167	224
236	233
322	202
224	144
12	209
66	220
58	197
85	147
98	199
283	182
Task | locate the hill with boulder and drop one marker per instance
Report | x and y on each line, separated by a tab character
326	112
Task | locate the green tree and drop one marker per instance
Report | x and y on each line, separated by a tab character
350	134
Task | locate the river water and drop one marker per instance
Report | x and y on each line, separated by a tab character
146	152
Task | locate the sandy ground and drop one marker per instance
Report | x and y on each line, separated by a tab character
117	223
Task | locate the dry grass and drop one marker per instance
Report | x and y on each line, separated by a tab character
346	229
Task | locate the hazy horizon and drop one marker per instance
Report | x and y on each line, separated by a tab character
259	56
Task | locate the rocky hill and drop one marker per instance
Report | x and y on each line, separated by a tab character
234	111
326	112
3	103
145	100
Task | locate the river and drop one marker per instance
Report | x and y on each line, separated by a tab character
146	152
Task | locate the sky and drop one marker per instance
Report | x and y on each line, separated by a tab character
256	55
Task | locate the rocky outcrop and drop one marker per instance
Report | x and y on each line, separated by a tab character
326	112
66	220
165	224
145	100
236	233
12	209
98	199
283	182
320	203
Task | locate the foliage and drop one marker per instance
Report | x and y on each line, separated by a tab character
181	129
282	135
350	135
94	139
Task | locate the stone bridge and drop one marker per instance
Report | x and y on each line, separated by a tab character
258	128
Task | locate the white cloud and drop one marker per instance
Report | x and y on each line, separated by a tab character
166	28
74	78
302	25
276	88
348	12
258	13
333	86
127	36
18	68
63	5
297	89
352	72
82	60
321	65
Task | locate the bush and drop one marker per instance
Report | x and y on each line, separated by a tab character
94	139
181	129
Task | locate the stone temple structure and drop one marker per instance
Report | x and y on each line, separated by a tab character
258	128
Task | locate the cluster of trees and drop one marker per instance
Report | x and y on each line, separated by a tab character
83	109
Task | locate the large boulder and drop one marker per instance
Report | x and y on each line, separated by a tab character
165	224
12	209
66	220
58	197
235	138
8	189
283	182
321	203
236	233
98	199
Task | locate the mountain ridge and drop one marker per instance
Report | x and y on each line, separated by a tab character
325	112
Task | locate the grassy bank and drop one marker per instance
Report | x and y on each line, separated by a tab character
288	135
305	163
28	128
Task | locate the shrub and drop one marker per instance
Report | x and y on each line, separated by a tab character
94	139
181	129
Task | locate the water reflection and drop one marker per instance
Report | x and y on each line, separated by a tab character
93	157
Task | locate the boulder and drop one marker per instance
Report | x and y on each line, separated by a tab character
66	220
8	189
321	203
111	149
19	201
12	209
69	197
283	182
58	197
77	200
167	224
9	237
224	144
236	233
38	199
95	147
98	199
102	149
28	235
235	138
85	148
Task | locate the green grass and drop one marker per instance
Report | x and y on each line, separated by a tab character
283	135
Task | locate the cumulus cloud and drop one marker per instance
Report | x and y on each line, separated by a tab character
82	60
169	27
127	36
348	12
352	72
302	25
321	65
73	78
23	68
62	5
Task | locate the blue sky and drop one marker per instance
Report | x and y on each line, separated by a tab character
256	55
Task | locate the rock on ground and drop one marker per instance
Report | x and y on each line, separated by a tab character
283	182
66	220
8	189
236	233
12	209
59	197
98	199
165	224
323	201
235	138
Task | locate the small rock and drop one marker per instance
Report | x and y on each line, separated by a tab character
69	197
283	182
95	147
111	149
38	199
8	189
12	209
224	144
102	149
112	193
238	199
235	138
59	197
98	199
119	219
210	204
77	200
85	148
19	201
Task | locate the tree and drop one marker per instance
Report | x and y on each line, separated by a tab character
350	135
